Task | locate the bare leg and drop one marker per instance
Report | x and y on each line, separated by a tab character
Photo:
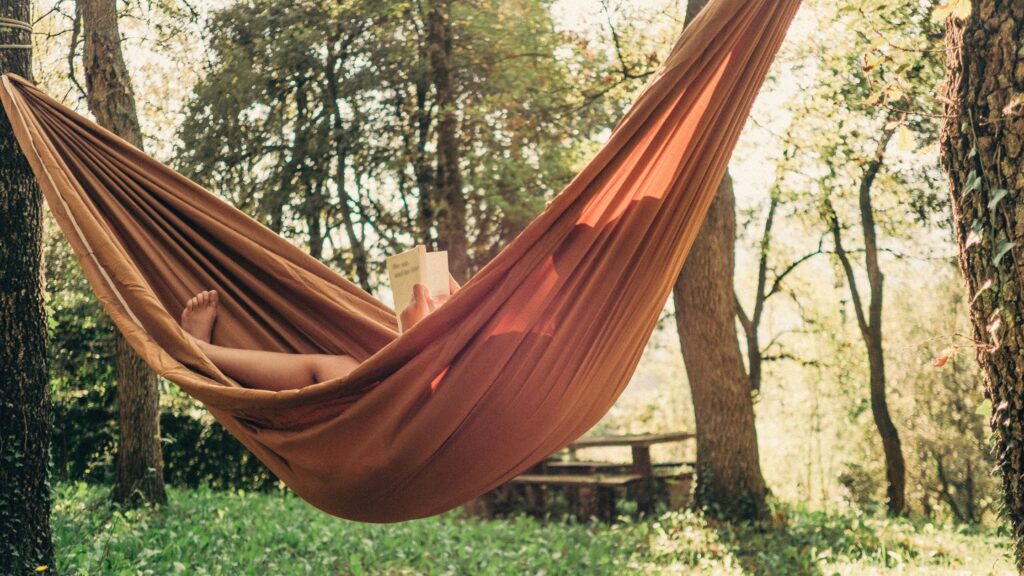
258	368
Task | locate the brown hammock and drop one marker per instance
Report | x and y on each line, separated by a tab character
523	360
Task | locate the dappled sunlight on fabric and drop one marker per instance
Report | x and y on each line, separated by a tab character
436	382
650	182
526	306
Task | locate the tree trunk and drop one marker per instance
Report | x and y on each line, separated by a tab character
983	151
729	480
452	204
895	468
341	137
892	447
140	460
870	323
111	101
25	419
752	324
423	171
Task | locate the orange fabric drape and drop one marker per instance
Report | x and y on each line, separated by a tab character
523	360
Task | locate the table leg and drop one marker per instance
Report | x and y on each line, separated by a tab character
645	488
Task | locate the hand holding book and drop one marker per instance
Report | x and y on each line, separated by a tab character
423	303
420	283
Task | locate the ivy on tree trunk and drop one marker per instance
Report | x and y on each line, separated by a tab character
983	152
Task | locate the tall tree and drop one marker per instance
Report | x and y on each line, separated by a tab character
856	133
111	101
982	153
25	541
729	479
869	321
448	187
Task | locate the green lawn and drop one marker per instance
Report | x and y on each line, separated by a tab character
207	532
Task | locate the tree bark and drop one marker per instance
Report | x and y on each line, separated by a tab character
982	144
25	419
729	480
451	202
111	101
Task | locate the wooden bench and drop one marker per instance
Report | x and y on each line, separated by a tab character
568	466
611	480
593	494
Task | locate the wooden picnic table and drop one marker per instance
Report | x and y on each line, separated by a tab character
641	448
633	440
591	485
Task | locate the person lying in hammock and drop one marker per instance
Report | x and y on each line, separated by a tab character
279	370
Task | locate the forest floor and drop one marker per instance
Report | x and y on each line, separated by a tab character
210	532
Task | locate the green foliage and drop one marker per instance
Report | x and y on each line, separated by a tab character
944	422
197	450
81	348
206	532
200	452
320	119
868	77
874	79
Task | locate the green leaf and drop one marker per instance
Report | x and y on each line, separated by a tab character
355	564
997	195
984	409
973	182
1003	249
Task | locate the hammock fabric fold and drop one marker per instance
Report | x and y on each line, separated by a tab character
527	357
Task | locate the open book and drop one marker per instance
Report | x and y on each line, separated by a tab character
417	266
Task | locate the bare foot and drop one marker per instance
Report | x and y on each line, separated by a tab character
199	315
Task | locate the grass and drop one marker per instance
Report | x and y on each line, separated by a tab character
208	532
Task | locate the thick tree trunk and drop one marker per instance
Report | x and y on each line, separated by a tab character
109	95
983	151
140	460
25	419
729	480
451	202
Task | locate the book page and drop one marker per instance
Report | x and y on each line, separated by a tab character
404	272
417	266
434	273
